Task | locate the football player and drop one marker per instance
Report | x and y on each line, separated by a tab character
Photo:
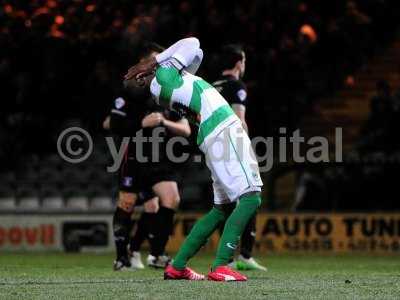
233	89
133	111
236	179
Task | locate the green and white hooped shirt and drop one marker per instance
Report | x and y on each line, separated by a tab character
170	86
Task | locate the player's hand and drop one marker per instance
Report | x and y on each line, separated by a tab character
141	69
153	120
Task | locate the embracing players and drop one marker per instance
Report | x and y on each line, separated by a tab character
227	148
153	179
232	88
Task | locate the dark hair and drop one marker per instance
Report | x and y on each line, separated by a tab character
148	48
230	55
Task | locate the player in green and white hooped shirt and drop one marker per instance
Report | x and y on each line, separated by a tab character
227	148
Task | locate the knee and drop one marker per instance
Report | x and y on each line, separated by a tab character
122	222
151	206
126	201
170	200
252	198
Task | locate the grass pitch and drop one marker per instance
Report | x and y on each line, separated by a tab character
84	276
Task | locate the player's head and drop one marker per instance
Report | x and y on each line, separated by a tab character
149	50
233	58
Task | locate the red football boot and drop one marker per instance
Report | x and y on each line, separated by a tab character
224	273
171	273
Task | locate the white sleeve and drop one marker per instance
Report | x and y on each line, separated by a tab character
186	51
194	66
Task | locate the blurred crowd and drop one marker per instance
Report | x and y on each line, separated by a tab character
368	177
64	59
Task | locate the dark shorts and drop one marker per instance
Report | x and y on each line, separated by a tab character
139	178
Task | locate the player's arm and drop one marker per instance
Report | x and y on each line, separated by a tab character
180	127
106	123
184	54
119	122
239	102
240	111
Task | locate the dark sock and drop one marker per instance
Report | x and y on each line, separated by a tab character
161	230
142	231
122	226
248	238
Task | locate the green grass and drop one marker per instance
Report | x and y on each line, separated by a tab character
83	276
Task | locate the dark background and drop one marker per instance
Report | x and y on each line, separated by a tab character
61	62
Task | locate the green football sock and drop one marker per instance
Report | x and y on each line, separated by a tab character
234	228
198	236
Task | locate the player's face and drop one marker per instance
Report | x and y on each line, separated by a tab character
243	65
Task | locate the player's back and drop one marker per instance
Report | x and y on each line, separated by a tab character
173	87
205	99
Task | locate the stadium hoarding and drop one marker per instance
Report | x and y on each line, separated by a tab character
72	232
372	233
330	233
320	233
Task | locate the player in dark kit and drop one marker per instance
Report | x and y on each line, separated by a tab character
233	89
144	175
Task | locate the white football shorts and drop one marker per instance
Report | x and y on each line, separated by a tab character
233	164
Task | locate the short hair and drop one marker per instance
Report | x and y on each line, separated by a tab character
150	47
230	55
